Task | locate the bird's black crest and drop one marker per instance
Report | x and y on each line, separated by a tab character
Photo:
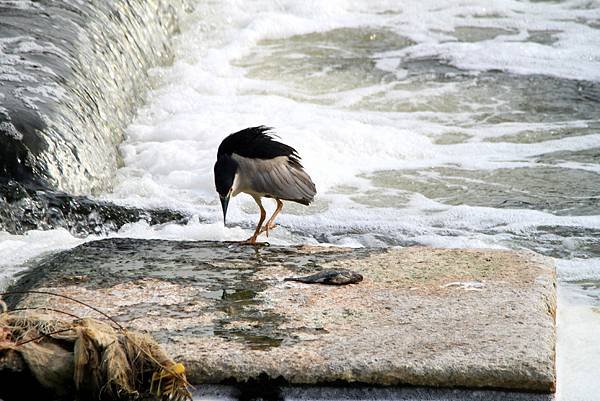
257	143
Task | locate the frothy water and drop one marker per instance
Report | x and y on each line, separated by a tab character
437	123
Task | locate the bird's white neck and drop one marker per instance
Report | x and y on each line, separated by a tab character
235	188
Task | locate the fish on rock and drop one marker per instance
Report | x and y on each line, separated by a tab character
330	277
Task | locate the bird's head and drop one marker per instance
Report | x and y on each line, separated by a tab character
225	170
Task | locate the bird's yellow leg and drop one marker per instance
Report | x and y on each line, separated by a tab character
271	223
263	214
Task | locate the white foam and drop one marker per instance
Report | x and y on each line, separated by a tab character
196	231
578	269
573	55
170	149
578	325
17	250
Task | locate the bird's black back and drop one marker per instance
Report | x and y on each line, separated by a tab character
257	143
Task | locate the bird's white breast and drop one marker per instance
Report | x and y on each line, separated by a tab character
235	188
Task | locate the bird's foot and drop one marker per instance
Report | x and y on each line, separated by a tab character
267	227
250	241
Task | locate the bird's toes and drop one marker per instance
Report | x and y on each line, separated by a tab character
266	228
253	242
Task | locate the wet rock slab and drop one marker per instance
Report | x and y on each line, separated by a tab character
421	316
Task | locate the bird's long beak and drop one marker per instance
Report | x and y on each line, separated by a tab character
224	203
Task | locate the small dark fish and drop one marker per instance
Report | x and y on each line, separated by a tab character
329	277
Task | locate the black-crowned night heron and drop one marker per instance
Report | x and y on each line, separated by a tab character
251	161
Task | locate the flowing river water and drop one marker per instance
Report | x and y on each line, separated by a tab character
439	123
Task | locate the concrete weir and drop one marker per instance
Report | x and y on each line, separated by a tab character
421	316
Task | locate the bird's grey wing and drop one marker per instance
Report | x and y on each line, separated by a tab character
278	178
304	184
285	181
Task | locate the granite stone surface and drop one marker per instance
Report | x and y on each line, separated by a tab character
421	316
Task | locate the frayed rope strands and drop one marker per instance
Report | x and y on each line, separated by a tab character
121	366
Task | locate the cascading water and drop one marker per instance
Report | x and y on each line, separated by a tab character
72	75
